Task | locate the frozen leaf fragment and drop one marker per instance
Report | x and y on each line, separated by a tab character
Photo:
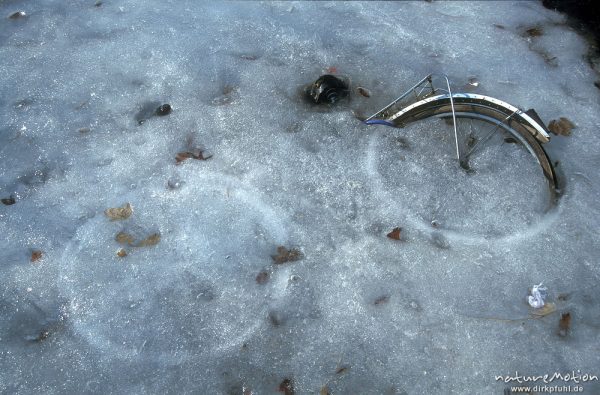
121	253
381	300
285	255
124	238
8	201
363	91
564	324
151	240
287	387
196	153
262	277
395	234
324	390
342	369
36	255
561	126
119	213
535	31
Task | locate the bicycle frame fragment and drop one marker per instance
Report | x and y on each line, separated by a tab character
425	96
430	101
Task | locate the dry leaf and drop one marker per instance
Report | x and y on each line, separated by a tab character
151	240
363	91
36	255
564	325
324	390
561	126
121	253
285	255
119	213
286	387
194	154
395	234
535	31
124	238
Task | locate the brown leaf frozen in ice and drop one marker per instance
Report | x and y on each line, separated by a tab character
181	156
287	387
151	240
535	31
324	390
121	253
363	91
36	255
561	126
124	238
119	213
342	369
564	325
395	234
194	154
285	255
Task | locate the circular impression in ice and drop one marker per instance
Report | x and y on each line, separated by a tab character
416	174
191	295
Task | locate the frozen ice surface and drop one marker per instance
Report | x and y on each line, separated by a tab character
443	310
